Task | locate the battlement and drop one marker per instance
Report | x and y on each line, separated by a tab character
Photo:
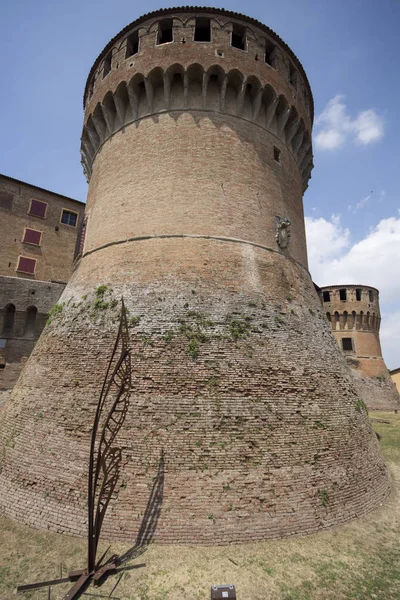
178	89
209	62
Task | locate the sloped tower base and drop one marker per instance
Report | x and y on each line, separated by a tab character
236	375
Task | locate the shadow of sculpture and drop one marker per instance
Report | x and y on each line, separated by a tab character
151	516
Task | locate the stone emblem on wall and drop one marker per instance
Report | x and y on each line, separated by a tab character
282	228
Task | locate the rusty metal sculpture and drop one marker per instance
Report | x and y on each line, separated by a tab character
104	463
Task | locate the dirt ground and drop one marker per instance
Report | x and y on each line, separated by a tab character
360	560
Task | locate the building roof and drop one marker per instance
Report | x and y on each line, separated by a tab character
40	188
394	371
208	10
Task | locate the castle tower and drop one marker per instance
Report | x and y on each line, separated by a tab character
197	148
353	312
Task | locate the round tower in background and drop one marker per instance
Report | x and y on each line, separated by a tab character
197	148
353	312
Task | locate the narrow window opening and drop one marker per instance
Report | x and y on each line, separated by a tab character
277	154
165	34
347	344
9	320
270	54
69	218
327	296
107	64
343	294
358	295
371	295
132	44
91	89
202	32
293	76
239	37
6	201
30	323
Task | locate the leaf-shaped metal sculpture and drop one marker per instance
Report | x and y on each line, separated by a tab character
105	460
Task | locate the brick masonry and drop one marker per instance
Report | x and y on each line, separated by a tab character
236	373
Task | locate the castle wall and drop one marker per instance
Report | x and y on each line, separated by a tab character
32	301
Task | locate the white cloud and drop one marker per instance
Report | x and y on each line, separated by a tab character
334	259
336	126
359	205
390	336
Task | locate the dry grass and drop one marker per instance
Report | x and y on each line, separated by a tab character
356	561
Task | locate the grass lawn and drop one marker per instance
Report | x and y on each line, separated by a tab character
359	561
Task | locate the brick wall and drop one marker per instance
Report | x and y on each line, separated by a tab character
263	432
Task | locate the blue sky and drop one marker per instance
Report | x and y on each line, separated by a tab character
349	50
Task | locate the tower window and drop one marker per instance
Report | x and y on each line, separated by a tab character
68	217
293	76
347	344
37	209
26	265
107	64
327	296
132	44
358	295
202	32
371	295
239	37
277	154
165	34
32	236
343	294
270	54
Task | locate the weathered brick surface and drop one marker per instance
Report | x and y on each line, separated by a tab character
236	373
263	436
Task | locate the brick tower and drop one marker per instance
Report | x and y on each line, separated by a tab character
353	311
197	148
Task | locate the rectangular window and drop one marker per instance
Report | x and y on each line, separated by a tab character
327	296
270	54
239	37
32	236
347	344
38	209
371	295
68	217
343	294
107	64
358	295
26	265
277	154
132	44
202	32
165	34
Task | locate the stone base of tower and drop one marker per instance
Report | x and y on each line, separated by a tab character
236	377
378	390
